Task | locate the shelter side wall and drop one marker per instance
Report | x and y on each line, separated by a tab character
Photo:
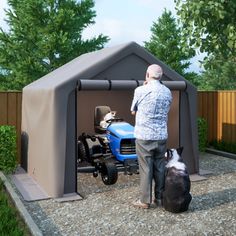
173	121
44	157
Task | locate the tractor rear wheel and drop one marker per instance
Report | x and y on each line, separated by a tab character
109	173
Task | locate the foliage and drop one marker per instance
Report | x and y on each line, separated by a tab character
9	223
167	45
221	76
194	78
202	134
210	26
43	35
8	159
224	146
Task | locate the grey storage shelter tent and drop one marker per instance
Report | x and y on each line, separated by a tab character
50	103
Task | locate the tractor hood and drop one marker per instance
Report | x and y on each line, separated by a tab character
121	130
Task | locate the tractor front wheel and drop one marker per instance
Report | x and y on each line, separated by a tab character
109	173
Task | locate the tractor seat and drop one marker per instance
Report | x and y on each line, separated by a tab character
99	113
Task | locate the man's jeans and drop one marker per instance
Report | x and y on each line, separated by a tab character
151	158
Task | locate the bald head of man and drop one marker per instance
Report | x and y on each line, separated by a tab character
154	71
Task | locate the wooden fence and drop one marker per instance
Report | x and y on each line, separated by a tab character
217	107
10	113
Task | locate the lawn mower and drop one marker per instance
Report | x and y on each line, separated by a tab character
110	150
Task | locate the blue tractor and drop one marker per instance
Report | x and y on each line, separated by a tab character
110	150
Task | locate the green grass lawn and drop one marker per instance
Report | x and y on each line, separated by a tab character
10	222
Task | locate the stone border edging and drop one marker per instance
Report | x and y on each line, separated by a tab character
33	228
221	153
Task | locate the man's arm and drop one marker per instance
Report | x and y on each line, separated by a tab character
134	108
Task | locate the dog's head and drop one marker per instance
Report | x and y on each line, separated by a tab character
170	153
174	159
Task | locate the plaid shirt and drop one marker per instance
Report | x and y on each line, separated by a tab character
151	103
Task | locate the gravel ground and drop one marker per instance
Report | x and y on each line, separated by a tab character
107	210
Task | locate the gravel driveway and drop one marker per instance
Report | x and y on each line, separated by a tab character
107	210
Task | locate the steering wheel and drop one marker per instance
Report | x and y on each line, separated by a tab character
114	120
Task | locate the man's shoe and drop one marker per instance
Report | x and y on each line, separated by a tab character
139	204
157	203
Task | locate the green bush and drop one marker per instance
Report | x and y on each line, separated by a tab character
202	134
8	159
224	146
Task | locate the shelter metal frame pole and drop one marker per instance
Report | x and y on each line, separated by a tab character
97	85
76	135
180	117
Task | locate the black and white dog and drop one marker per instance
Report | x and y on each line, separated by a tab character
176	196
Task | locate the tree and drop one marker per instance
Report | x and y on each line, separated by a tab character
43	35
167	45
222	75
210	25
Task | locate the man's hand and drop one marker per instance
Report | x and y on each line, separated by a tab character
133	112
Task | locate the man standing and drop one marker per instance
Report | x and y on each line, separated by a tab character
151	104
